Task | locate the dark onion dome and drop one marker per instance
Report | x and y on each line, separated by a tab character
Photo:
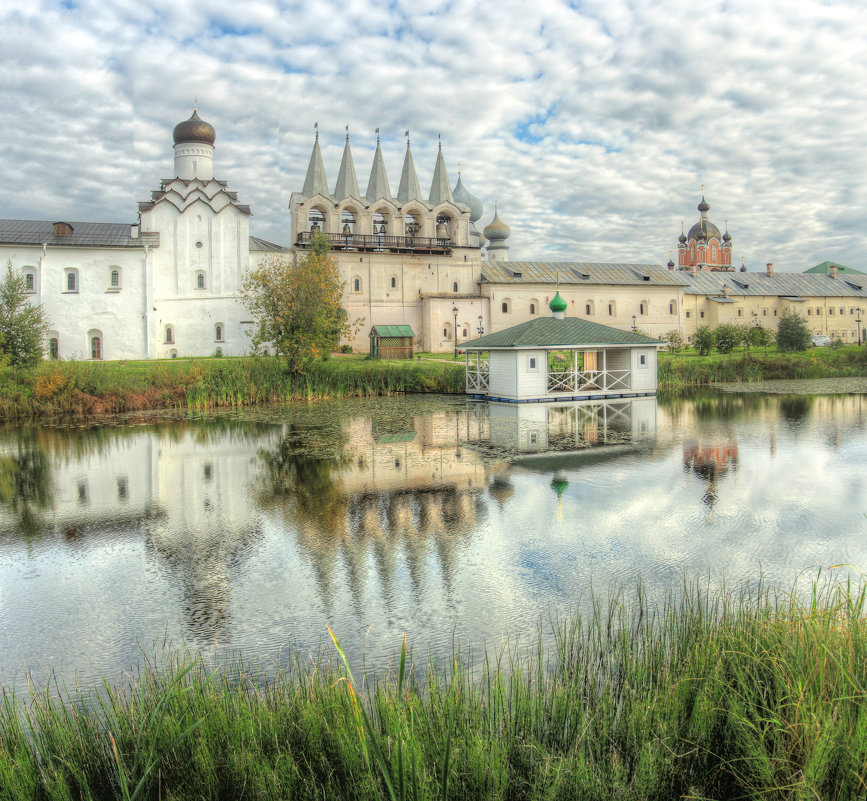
497	230
670	264
743	268
727	237
557	303
704	205
707	230
195	129
682	238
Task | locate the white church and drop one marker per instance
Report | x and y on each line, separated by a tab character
167	285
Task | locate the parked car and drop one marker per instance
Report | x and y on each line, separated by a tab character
820	341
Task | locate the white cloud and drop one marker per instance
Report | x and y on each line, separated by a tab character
593	123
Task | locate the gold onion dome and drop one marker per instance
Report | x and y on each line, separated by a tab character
557	303
195	129
497	230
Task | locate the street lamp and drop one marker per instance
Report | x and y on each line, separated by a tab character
633	323
858	323
481	327
455	313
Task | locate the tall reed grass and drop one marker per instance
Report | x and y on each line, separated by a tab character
92	388
750	695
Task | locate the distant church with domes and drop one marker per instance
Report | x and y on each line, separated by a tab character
704	248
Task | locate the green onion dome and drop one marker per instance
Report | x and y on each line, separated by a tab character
557	303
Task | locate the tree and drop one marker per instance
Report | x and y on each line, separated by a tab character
675	341
23	325
703	339
296	307
727	337
792	333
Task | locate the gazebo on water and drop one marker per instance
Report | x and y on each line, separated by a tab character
558	358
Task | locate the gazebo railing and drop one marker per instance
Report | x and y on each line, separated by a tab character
584	380
477	376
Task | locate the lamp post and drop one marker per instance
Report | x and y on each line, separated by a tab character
633	323
858	323
481	328
455	313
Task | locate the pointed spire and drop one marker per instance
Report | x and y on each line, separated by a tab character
377	186
315	183
440	191
347	182
409	188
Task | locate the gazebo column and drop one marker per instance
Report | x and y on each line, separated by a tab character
605	369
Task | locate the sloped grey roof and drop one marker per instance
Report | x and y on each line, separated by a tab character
549	332
776	285
574	272
257	244
84	234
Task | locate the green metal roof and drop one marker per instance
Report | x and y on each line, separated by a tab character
548	332
392	331
825	267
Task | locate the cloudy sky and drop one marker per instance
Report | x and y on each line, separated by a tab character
594	124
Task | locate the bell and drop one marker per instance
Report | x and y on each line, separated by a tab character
346	230
442	231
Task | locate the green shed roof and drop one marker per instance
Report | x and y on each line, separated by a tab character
391	331
548	332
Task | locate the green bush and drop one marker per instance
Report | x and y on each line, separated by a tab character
728	337
703	340
792	333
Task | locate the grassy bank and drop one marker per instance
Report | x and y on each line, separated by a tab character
92	388
708	697
691	370
89	388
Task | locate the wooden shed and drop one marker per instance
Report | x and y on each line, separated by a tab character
391	342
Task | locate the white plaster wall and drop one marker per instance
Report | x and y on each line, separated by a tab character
118	315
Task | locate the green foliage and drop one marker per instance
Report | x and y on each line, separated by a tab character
297	308
675	341
703	340
23	326
793	334
728	337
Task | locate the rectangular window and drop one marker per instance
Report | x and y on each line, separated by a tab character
775	312
818	312
809	312
30	282
831	312
642	360
740	312
764	312
688	315
532	364
842	311
701	314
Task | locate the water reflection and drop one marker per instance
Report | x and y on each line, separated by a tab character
432	517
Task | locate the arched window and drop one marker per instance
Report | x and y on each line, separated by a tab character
315	221
505	306
72	280
114	278
532	308
393	282
642	307
218	332
588	309
672	307
96	347
455	286
30	282
612	309
466	332
200	280
170	335
356	284
53	348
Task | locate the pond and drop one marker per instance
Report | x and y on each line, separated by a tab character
443	519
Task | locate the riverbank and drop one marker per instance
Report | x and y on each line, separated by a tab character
714	696
83	389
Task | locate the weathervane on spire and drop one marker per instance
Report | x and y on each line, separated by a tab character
196	103
406	134
440	140
377	136
459	168
347	133
316	128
